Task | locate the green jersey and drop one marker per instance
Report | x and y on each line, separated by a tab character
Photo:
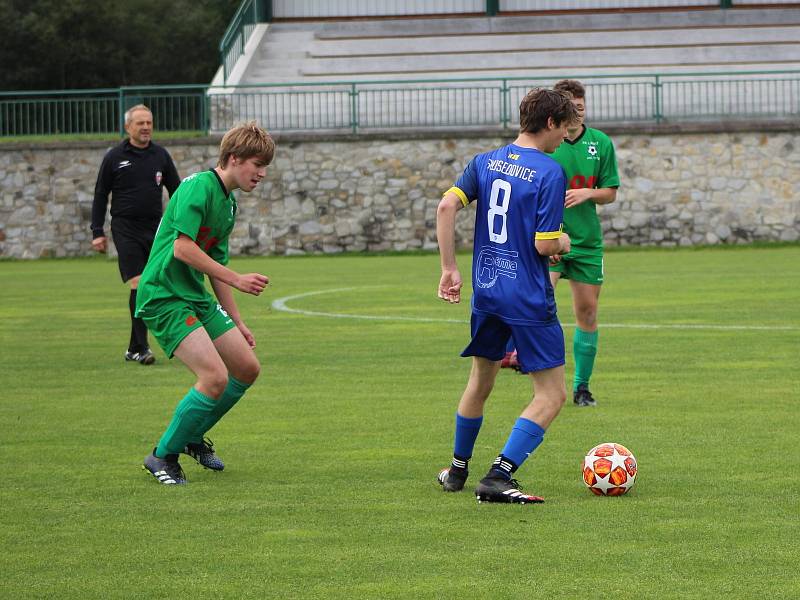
589	162
202	209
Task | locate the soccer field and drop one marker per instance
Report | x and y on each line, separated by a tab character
329	489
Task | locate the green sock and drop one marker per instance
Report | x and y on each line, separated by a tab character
584	349
232	394
190	413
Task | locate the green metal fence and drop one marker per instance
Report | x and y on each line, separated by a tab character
249	14
177	108
472	103
413	104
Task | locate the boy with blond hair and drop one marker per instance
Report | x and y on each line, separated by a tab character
207	334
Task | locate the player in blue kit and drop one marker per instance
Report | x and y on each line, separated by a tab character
518	222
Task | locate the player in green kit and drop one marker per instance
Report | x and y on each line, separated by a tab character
206	333
588	159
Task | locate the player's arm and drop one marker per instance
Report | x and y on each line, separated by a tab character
597	195
607	181
186	250
550	239
105	179
553	247
450	283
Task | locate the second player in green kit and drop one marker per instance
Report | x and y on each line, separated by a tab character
589	161
206	333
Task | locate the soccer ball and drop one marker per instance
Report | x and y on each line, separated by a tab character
609	469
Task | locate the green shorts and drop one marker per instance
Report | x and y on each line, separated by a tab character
172	320
583	269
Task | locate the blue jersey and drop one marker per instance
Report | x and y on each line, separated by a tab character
520	193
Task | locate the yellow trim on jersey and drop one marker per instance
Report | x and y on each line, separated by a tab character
461	195
549	235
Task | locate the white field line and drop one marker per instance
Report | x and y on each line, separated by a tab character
280	304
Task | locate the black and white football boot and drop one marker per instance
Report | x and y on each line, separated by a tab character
166	470
498	489
203	453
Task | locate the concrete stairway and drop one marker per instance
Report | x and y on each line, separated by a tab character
402	55
529	45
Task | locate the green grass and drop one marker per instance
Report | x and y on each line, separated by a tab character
329	490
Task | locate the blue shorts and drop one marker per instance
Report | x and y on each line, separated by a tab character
538	347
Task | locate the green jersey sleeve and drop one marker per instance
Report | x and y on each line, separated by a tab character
608	176
191	207
590	162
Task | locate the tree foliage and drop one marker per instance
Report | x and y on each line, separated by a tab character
73	44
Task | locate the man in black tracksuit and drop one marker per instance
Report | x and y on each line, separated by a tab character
135	173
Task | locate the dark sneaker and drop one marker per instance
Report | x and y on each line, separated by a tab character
497	489
452	480
167	470
510	361
144	358
203	453
583	397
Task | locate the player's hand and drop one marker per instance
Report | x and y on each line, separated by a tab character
251	283
450	286
100	244
248	335
565	243
577	196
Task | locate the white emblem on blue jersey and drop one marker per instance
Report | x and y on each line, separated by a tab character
492	263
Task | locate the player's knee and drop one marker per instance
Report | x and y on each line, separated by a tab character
480	388
248	370
560	398
587	317
215	382
555	398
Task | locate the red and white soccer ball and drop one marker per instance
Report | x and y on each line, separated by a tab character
609	469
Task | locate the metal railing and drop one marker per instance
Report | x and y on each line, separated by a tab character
487	102
241	27
176	108
357	107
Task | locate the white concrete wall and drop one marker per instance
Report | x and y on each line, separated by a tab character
370	8
524	5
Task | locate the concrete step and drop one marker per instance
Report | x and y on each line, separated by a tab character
543	46
513	43
647	59
547	75
572	22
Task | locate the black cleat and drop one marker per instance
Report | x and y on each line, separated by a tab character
203	453
145	358
583	397
451	479
497	489
166	470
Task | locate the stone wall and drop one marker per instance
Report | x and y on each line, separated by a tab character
372	193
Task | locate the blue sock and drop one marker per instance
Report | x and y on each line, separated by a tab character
466	433
524	439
